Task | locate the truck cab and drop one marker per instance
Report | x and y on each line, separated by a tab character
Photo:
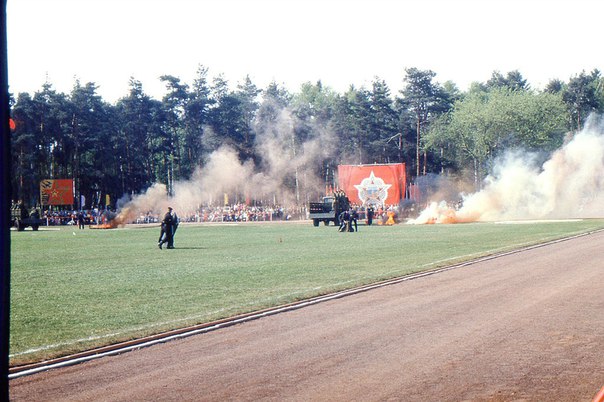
328	209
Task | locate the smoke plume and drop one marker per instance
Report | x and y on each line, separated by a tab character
283	164
570	184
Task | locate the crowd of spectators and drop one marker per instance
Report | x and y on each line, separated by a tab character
206	214
70	217
234	213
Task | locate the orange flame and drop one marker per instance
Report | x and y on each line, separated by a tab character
103	226
441	213
126	215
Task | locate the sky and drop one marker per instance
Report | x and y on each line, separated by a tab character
340	42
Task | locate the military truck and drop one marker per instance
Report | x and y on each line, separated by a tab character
329	209
21	218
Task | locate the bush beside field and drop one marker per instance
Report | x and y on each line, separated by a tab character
73	290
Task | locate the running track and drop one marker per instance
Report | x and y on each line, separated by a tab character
526	326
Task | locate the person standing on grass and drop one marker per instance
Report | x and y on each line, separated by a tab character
173	227
162	234
167	234
354	216
80	220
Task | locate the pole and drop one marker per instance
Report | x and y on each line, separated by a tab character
5	198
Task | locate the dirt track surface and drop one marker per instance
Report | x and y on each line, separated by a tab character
524	327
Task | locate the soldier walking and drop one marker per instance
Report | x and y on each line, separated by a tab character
168	226
173	227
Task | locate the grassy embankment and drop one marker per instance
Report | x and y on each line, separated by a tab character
73	289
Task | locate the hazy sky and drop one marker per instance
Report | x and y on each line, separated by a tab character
293	41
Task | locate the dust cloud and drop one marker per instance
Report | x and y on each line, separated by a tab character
570	184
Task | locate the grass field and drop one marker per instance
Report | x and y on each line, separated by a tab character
73	289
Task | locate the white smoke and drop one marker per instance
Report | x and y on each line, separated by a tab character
283	163
570	184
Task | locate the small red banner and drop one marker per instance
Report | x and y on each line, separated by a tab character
56	192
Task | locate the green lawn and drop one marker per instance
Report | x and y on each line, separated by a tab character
73	289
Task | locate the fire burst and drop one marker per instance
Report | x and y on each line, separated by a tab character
437	213
126	215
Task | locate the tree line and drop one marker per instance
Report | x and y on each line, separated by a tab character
125	147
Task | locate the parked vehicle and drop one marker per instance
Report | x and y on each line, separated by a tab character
21	218
329	209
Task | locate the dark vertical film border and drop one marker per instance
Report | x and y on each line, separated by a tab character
5	196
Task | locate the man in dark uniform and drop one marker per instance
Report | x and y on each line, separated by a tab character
167	234
162	234
173	227
369	215
344	219
81	220
22	210
354	216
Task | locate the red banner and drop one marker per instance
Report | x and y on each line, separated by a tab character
373	184
56	192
